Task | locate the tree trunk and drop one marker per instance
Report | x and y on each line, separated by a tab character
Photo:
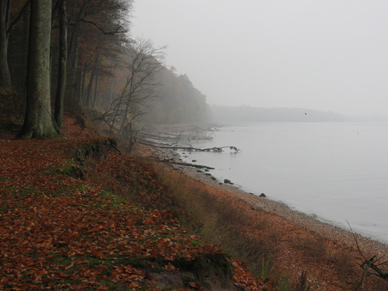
5	76
82	84
38	122
62	67
73	95
88	101
112	84
89	89
95	91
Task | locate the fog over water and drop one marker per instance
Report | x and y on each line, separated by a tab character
323	55
335	171
329	56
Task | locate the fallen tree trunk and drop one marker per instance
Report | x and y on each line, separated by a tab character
173	162
192	165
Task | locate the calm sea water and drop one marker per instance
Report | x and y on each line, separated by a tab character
335	171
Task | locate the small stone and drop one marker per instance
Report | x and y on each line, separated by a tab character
227	181
263	195
257	207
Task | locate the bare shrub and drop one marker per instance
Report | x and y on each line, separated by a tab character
303	284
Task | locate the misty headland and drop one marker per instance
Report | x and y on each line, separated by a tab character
239	114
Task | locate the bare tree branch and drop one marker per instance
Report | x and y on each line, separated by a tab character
18	16
119	29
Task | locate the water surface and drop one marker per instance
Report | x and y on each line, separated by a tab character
335	171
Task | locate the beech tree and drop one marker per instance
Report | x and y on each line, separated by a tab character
85	28
38	121
62	65
5	77
92	24
6	26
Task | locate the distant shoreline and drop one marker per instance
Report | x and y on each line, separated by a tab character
238	114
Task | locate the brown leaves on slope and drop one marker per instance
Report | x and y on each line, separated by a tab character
57	232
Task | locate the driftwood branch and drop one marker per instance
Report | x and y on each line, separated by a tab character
370	266
173	162
192	165
188	148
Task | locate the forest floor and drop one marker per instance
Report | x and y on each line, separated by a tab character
67	222
75	214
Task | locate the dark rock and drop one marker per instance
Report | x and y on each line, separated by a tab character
194	161
227	181
263	195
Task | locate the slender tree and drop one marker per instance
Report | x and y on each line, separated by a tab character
38	121
5	77
6	27
93	27
62	65
144	62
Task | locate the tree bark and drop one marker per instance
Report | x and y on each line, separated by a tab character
112	84
5	76
95	91
62	68
82	84
88	101
38	122
73	96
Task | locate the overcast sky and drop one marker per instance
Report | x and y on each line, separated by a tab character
329	55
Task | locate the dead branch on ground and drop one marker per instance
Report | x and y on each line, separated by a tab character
374	266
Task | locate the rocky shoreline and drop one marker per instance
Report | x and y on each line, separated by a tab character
310	223
300	234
